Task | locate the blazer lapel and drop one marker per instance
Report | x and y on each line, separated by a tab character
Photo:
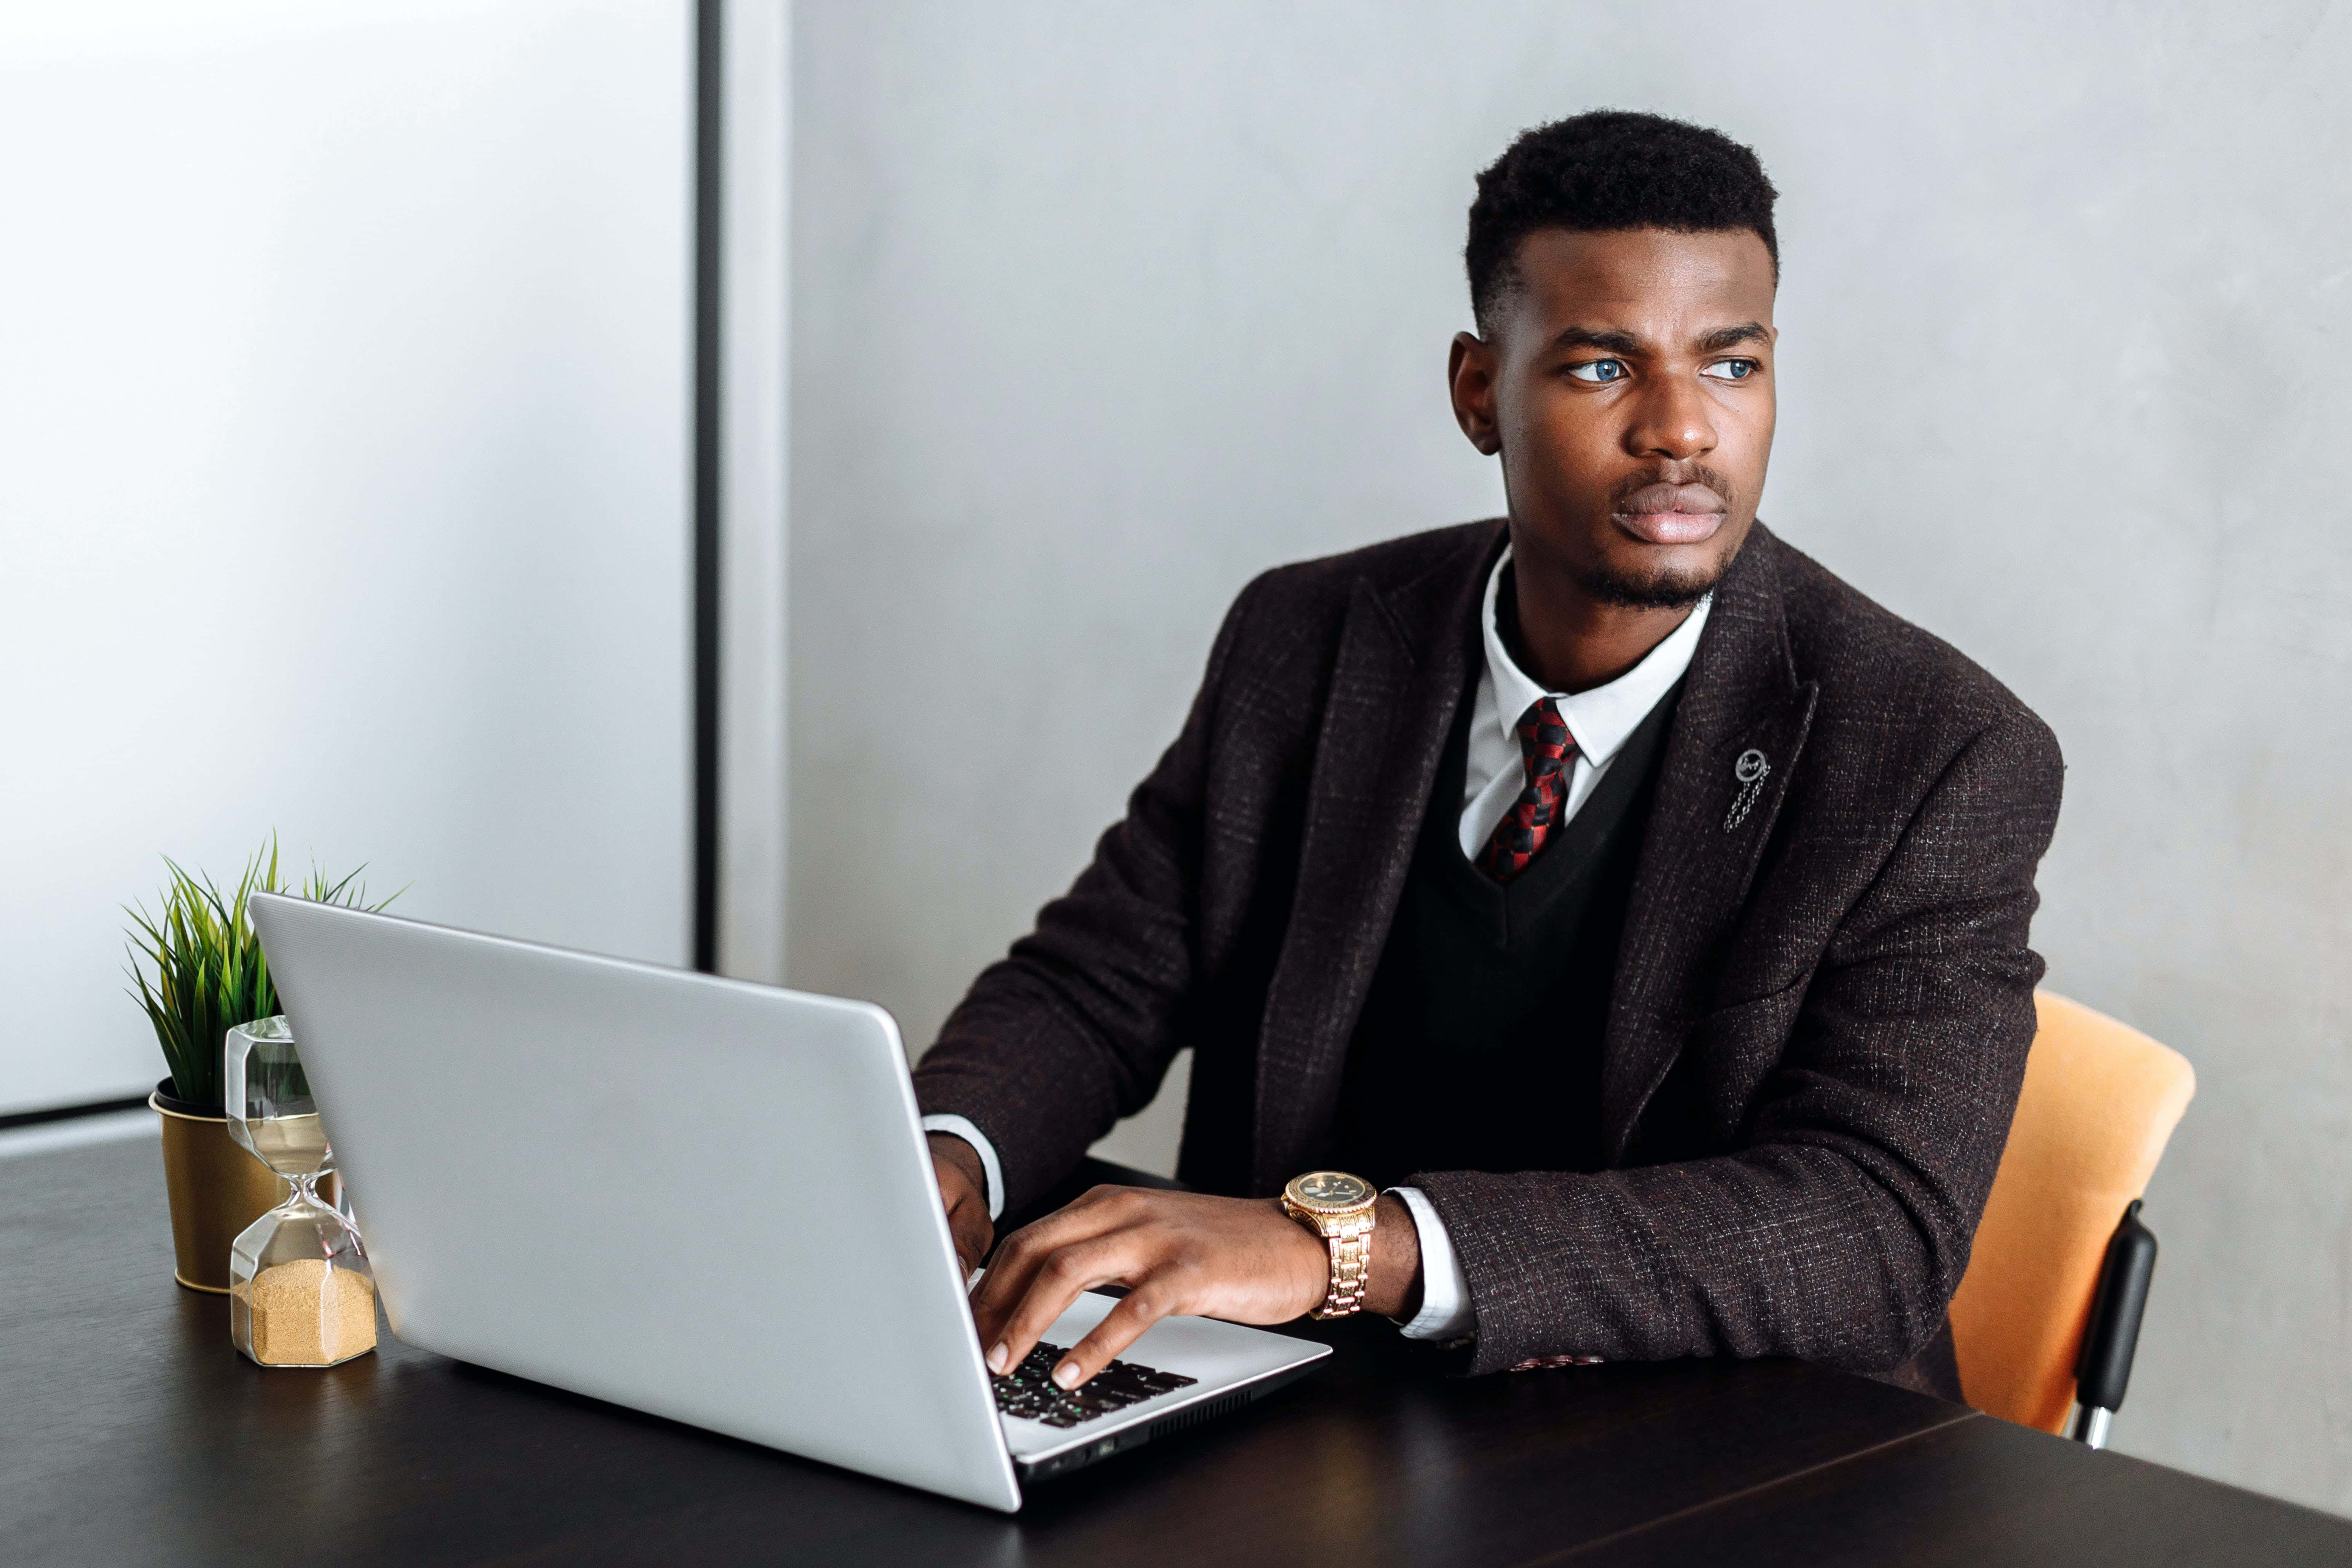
1742	709
1403	664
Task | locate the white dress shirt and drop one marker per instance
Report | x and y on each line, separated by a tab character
1600	721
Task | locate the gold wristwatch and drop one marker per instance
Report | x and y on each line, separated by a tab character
1337	1208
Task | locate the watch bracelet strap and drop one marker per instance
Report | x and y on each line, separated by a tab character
1351	1264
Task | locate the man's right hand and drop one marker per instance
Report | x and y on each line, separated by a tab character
963	1188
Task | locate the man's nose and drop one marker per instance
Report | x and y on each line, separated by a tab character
1670	421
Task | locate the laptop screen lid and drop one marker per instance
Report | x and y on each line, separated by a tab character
698	1197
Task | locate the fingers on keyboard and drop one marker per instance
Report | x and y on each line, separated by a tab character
1028	1390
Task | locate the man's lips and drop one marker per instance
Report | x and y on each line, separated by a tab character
1671	515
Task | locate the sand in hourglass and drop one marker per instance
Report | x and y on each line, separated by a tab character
306	1313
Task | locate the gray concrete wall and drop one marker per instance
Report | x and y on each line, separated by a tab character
1099	311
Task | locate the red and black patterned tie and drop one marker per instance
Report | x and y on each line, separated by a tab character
1547	749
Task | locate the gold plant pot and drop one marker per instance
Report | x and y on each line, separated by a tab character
216	1189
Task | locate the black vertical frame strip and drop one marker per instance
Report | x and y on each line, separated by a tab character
709	195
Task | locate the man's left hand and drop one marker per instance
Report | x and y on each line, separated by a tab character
1241	1259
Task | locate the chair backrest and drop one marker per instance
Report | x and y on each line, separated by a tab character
2100	1100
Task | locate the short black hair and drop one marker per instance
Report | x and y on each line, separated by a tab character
1610	169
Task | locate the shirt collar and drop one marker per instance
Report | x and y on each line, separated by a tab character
1602	719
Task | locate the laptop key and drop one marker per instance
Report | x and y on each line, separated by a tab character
1028	1391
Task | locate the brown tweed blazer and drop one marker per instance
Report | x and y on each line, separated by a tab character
1820	1011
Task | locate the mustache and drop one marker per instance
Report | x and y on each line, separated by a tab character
1668	477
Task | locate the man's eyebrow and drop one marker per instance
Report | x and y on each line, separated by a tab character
1724	338
1604	338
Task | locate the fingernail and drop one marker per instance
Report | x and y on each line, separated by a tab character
996	1360
1067	1375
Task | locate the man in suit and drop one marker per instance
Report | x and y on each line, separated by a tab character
1632	911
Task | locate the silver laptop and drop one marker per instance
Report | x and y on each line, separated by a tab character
698	1197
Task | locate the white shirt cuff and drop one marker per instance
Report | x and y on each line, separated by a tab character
957	1127
1445	1312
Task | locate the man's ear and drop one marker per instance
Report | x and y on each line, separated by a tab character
1470	376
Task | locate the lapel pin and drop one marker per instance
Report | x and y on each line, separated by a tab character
1750	771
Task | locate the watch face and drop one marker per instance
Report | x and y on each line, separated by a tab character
1332	1190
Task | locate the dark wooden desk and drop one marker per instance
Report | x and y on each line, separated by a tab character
131	1433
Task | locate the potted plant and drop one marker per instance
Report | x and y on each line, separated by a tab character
208	976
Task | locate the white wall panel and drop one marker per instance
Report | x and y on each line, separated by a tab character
343	411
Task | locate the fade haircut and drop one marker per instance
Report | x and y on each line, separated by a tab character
1608	170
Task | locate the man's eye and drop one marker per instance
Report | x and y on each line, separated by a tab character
1731	369
1599	370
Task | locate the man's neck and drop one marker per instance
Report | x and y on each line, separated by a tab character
1572	642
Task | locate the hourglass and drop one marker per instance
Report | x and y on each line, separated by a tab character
300	1291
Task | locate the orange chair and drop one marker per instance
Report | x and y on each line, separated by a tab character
2055	1284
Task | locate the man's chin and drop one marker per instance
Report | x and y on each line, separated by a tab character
1671	578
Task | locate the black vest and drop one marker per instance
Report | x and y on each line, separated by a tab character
1479	1047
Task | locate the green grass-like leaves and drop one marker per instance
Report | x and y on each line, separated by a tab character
209	974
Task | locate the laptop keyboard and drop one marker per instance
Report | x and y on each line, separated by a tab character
1028	1390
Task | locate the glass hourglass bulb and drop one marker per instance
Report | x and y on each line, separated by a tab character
300	1290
